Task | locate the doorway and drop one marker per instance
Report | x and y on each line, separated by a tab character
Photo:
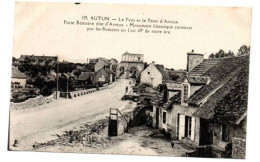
206	135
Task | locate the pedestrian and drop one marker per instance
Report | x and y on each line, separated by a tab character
172	143
126	89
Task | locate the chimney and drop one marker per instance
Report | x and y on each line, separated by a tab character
193	59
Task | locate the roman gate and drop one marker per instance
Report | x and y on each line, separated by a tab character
131	65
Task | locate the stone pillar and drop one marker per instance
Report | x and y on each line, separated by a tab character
127	74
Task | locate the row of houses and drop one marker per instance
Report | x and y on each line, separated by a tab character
102	76
83	76
205	107
36	60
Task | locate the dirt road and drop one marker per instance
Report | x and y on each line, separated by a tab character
139	140
42	123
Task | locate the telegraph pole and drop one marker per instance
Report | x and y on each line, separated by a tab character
57	76
67	88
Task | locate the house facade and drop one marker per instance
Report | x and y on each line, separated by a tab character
209	107
18	79
103	76
154	75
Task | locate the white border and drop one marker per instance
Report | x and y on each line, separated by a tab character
7	19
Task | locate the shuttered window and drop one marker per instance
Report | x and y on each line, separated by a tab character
193	127
181	126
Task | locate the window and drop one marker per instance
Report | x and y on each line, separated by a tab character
185	92
164	117
148	72
225	132
187	126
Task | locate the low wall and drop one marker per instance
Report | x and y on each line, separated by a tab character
39	100
84	92
238	148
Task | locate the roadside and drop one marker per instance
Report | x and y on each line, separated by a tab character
43	122
139	140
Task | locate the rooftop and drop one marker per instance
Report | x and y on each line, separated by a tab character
224	99
17	74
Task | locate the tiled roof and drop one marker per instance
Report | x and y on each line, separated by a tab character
174	99
198	79
204	66
230	86
176	75
86	75
17	74
165	76
218	75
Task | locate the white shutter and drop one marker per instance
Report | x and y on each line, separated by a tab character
193	126
181	126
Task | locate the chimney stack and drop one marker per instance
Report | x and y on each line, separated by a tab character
193	59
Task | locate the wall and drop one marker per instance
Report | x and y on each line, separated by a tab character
193	60
102	74
21	81
154	78
187	111
238	131
79	93
238	148
132	57
99	65
127	65
32	102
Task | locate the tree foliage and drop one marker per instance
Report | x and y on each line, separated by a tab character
243	50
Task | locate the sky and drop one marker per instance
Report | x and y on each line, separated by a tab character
39	29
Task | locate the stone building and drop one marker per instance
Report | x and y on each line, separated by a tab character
154	75
103	76
209	107
131	65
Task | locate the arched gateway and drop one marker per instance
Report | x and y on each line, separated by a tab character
131	65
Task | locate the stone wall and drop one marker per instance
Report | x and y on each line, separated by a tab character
238	148
193	60
39	100
75	94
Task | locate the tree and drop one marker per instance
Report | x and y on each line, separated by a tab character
230	54
221	53
211	56
243	50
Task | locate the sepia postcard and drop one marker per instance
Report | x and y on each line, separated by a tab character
130	79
